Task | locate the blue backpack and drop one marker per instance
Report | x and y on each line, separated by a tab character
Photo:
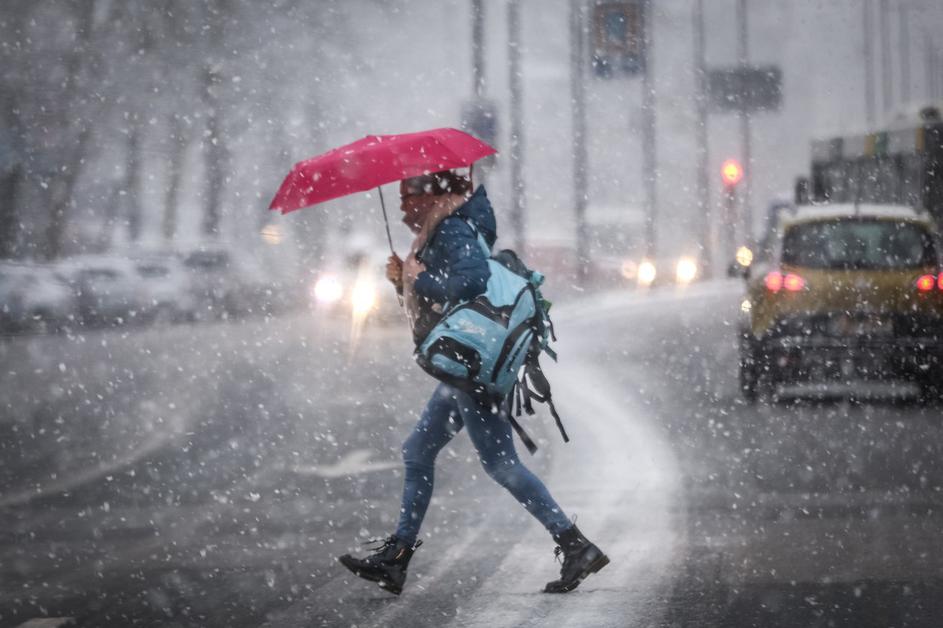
489	346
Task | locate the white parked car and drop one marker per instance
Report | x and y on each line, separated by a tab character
355	285
225	284
168	289
32	297
108	288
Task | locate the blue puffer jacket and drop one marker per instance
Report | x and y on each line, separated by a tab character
456	267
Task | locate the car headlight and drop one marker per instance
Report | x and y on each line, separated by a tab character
364	297
328	289
646	273
686	270
744	256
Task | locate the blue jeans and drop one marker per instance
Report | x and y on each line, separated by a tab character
446	413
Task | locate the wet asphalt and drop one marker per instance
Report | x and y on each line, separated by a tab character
209	475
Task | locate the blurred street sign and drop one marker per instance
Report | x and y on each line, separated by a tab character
618	44
747	89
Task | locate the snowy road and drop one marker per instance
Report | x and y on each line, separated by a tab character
210	475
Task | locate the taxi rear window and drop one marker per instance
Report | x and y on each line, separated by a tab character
859	244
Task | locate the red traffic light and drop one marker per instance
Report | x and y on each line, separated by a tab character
731	172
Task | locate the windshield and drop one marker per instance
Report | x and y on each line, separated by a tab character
859	244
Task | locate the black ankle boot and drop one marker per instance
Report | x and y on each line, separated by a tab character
580	559
386	566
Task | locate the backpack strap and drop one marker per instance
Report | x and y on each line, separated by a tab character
533	385
541	393
531	447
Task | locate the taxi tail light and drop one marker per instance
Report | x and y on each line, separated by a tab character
939	282
773	281
793	282
776	281
926	283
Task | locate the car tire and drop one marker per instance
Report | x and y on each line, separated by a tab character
164	316
931	391
40	322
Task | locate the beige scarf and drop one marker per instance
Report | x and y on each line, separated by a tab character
415	309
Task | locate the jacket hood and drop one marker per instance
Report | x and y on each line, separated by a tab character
478	209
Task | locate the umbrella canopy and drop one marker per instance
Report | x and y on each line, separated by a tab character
373	161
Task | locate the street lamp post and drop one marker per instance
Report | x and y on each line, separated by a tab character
516	147
580	157
649	156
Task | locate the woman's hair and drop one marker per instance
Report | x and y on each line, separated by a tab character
439	183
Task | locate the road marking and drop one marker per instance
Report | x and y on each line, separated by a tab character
86	476
47	622
621	476
353	463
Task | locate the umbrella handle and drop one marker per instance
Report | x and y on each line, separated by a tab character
389	238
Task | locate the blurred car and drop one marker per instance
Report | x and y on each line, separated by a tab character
168	289
32	297
224	284
354	284
108	289
644	272
849	293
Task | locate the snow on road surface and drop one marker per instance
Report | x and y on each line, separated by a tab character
618	475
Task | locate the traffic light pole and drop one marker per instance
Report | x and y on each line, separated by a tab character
478	48
708	228
886	86
649	157
478	82
730	215
867	28
745	218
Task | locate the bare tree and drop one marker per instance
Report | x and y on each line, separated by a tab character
77	128
177	151
133	181
9	184
11	171
214	153
97	90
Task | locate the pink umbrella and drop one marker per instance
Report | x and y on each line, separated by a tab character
373	161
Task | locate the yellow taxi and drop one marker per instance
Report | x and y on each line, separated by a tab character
844	293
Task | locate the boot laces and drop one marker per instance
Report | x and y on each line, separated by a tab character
560	550
382	545
556	553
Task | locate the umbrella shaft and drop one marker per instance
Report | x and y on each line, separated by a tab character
386	220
